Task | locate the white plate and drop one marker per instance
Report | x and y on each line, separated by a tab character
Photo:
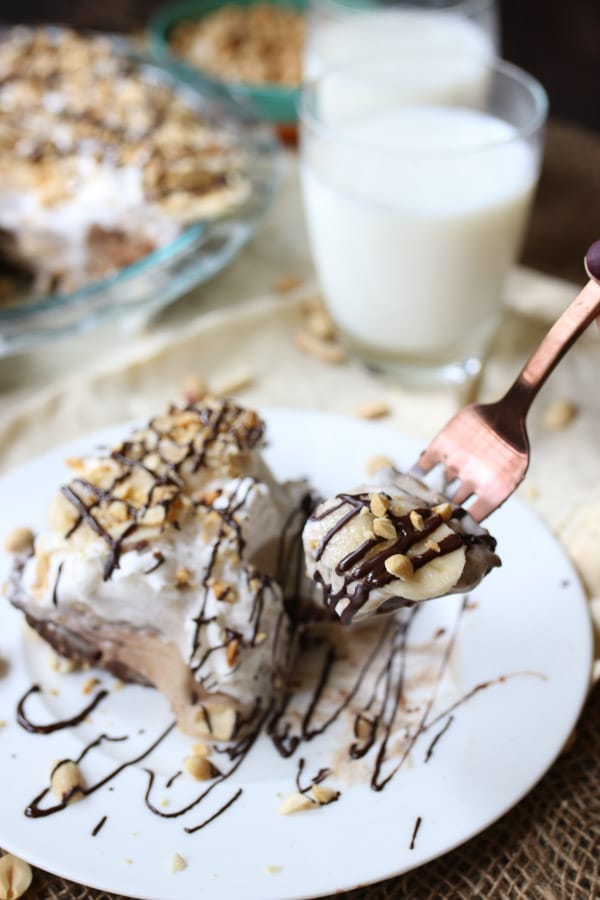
530	617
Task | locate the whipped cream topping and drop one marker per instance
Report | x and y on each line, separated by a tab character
392	544
177	533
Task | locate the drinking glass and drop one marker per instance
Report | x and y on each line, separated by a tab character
349	31
417	203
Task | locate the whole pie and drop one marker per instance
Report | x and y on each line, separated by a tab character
103	160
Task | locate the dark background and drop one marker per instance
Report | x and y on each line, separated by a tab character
558	41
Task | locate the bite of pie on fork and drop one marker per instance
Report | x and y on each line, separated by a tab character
396	542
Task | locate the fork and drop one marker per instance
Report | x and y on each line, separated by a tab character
484	448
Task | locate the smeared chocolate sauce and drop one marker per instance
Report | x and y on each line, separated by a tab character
411	846
35	728
99	826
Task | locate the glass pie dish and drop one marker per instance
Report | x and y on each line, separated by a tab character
201	248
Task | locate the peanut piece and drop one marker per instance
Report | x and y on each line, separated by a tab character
363	728
66	781
232	651
15	877
341	606
193	389
399	566
444	511
373	410
416	520
154	516
384	528
325	351
296	803
61	664
200	768
234	383
376	463
220	725
201	749
183	577
287	283
379	504
324	795
321	325
89	685
19	540
559	414
224	592
432	545
178	863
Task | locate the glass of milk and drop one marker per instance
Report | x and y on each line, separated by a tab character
416	204
345	31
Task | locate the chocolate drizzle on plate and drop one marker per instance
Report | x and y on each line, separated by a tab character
438	737
35	811
35	728
316	779
411	846
99	826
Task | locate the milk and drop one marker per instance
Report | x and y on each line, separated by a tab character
411	39
413	242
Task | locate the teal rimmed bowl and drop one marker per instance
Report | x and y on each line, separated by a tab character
274	102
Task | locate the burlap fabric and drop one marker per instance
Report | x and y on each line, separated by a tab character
548	847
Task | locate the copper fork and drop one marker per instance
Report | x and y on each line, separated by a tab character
485	447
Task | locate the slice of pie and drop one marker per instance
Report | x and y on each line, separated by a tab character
165	563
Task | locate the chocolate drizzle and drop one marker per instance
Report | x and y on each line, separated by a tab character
316	779
35	728
411	846
375	701
99	826
55	588
35	811
219	812
438	737
237	752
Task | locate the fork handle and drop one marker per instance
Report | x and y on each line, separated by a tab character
563	334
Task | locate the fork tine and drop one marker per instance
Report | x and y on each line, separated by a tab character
463	492
482	508
427	460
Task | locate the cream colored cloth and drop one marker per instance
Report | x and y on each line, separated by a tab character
237	327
